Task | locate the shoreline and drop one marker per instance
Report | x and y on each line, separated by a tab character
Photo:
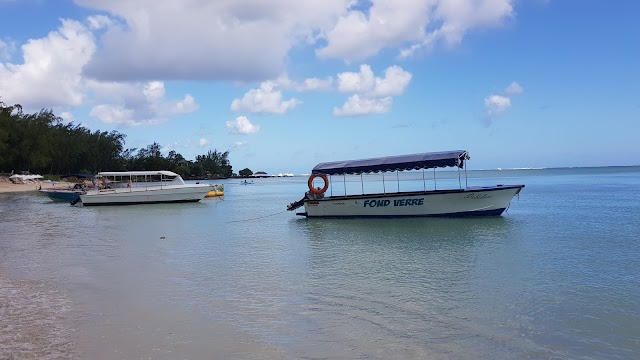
6	186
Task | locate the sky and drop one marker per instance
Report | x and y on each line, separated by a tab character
286	84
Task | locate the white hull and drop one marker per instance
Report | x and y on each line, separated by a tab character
146	195
467	202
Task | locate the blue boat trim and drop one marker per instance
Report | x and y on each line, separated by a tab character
494	212
142	202
61	195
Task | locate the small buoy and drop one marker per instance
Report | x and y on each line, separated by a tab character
162	237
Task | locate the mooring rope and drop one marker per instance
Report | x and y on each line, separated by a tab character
258	218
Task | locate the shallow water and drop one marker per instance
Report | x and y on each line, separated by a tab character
240	278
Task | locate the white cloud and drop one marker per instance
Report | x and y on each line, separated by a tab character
67	117
373	94
310	84
51	77
136	104
357	36
6	49
51	73
242	125
236	40
267	99
116	115
394	82
154	91
412	24
106	60
357	105
238	144
454	19
122	117
360	82
514	89
186	106
496	104
250	40
99	22
203	142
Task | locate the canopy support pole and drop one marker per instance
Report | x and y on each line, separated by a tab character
459	181
331	183
384	189
435	186
466	179
344	181
424	182
398	179
361	183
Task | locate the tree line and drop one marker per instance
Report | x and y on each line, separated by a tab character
41	143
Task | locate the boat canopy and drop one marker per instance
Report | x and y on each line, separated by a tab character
139	173
394	163
79	176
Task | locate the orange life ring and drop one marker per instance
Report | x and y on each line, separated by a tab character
318	191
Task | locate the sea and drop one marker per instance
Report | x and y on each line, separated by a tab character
557	276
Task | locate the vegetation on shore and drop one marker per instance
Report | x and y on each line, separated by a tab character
41	143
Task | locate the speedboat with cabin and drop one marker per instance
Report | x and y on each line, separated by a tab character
142	187
461	201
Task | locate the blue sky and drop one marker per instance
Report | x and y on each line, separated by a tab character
286	84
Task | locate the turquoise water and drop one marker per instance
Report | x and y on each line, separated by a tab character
555	277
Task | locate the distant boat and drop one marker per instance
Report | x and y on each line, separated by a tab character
467	201
245	182
142	187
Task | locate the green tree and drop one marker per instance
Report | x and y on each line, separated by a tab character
42	143
215	164
246	172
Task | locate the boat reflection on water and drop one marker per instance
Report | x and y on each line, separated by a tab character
420	232
412	281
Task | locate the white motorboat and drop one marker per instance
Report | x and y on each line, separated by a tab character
142	187
463	201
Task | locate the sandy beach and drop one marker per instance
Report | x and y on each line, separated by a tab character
30	185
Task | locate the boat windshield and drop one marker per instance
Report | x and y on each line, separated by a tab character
177	180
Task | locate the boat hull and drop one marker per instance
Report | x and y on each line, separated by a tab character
479	201
62	195
145	195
